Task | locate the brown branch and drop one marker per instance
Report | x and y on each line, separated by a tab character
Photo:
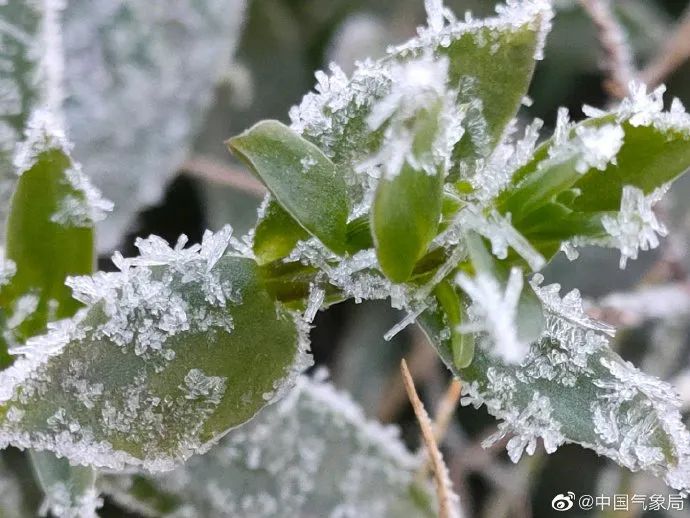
618	62
223	174
444	492
672	55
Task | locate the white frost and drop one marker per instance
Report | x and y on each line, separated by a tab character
494	311
635	227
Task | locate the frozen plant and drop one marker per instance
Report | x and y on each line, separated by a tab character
405	181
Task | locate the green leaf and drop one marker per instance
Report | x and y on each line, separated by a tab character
405	216
650	157
493	66
179	347
462	344
49	237
276	234
302	179
315	441
552	200
573	388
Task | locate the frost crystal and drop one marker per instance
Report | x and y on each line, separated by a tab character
86	206
599	146
635	226
316	298
198	386
7	268
631	411
647	109
532	423
569	307
588	146
132	297
500	232
59	502
493	174
43	132
511	15
417	87
494	310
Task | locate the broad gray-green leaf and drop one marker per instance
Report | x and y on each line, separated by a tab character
175	349
572	388
69	490
312	454
491	59
302	179
50	233
138	80
276	233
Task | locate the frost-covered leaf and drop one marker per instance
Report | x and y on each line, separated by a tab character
405	216
276	233
303	180
175	349
312	454
50	236
490	63
50	233
577	180
138	79
69	490
572	388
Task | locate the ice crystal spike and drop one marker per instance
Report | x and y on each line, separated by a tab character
569	307
635	227
494	311
416	86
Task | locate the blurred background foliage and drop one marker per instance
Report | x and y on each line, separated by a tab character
283	43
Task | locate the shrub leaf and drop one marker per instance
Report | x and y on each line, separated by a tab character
302	179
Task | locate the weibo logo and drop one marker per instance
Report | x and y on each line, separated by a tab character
563	502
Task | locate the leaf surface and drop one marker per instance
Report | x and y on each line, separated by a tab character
302	179
315	441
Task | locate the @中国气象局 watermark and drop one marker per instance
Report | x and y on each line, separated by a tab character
618	502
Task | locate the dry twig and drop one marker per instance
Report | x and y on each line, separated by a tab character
446	496
223	174
673	54
619	61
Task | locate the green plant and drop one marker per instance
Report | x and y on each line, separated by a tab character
405	182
